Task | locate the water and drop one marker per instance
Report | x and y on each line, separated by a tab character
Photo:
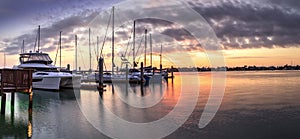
262	104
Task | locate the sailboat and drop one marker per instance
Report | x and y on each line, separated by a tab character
117	78
149	71
46	75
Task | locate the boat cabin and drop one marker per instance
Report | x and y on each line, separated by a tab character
40	58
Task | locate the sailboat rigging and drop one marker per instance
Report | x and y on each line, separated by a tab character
46	75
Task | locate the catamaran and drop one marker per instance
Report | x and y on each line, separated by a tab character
46	75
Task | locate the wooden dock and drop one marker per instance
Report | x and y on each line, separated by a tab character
12	81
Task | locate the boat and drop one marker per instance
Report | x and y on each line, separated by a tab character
113	77
46	75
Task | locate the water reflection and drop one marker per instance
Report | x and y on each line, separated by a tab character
254	102
14	126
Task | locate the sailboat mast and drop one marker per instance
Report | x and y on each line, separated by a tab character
60	50
150	49
113	41
97	51
75	52
133	49
39	37
160	61
90	49
145	53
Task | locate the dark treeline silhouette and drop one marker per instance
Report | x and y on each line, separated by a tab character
249	68
225	68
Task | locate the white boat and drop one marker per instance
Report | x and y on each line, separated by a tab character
116	78
46	75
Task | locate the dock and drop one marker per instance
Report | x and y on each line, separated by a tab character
15	81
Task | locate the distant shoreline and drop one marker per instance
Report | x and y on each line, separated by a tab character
244	68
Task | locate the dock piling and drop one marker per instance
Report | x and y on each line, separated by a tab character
3	103
12	101
127	81
101	86
142	72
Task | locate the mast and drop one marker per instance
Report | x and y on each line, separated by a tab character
90	49
75	52
145	53
133	49
97	51
160	61
60	49
150	49
39	37
113	40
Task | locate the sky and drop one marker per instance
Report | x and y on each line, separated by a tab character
249	32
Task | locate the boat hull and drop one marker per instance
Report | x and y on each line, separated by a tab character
51	83
56	81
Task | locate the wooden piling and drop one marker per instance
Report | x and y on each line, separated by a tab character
12	101
172	73
100	83
142	76
127	81
142	72
3	103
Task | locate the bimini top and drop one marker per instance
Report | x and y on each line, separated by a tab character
38	57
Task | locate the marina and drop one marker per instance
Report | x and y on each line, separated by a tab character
149	69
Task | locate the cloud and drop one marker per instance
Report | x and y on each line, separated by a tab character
248	20
238	25
50	35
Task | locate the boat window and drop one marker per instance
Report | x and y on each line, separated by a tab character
35	58
42	74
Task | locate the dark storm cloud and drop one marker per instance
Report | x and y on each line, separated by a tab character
155	23
238	24
236	19
49	35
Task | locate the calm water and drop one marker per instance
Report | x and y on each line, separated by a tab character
264	104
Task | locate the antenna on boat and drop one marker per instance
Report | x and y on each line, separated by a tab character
113	40
145	53
23	47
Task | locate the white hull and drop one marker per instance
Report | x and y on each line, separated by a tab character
55	80
51	83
